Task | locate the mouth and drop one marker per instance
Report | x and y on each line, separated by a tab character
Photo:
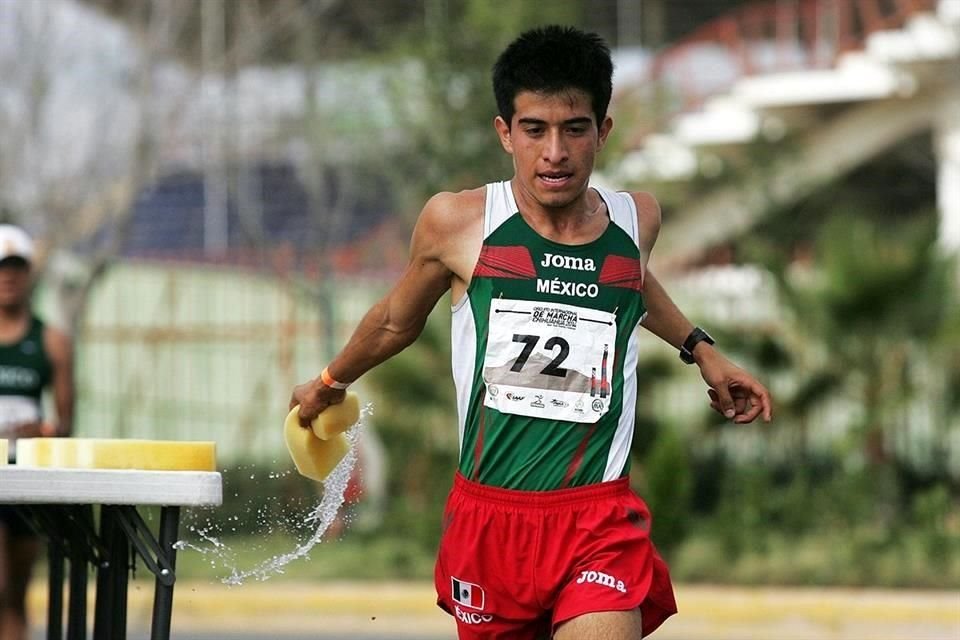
555	178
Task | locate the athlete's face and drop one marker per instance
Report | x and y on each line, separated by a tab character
554	139
14	281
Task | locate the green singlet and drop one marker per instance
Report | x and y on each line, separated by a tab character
545	351
25	369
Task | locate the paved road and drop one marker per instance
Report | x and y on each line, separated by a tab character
39	635
404	611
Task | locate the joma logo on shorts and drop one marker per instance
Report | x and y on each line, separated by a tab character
598	577
469	617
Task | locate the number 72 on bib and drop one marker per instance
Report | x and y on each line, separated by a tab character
549	360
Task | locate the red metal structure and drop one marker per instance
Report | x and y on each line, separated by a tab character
759	38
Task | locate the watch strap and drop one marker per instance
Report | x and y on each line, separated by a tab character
696	336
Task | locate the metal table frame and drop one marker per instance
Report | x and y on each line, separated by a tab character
59	503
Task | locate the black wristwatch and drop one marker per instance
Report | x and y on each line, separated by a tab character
696	336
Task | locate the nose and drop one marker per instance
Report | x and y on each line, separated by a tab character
554	148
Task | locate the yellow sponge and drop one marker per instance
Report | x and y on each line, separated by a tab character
148	455
337	418
102	453
48	452
3	451
317	451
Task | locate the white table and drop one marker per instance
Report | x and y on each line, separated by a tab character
59	504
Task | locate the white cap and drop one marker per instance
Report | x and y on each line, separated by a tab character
15	243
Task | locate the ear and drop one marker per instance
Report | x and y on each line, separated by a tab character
503	132
605	128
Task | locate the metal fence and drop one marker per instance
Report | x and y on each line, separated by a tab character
188	352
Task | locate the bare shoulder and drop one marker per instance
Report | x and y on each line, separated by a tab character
57	343
450	230
452	213
648	219
648	209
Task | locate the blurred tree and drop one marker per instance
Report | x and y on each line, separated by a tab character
348	27
442	101
415	410
869	315
69	164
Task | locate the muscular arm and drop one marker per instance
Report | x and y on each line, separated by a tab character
395	322
664	319
733	392
59	347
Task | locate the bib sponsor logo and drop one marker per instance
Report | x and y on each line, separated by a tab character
559	403
568	262
560	287
467	594
603	579
597	405
554	317
469	617
515	397
538	401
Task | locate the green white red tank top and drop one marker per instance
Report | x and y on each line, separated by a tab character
545	351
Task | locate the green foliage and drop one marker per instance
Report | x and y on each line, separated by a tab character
415	415
667	488
872	311
443	102
834	528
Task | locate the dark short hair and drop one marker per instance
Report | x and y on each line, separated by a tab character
552	60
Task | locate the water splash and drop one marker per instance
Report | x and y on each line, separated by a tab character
318	519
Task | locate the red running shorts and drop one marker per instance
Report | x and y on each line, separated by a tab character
517	564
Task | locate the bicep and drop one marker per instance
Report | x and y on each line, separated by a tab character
426	277
415	294
648	222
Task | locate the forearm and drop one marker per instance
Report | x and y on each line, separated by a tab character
60	349
664	319
376	339
64	402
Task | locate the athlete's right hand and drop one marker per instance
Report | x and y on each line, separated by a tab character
314	397
28	430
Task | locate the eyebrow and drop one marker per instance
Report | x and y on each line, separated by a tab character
580	120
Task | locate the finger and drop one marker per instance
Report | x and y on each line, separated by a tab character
306	416
714	401
740	404
761	396
751	414
725	400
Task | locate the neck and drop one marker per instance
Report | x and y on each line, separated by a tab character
573	223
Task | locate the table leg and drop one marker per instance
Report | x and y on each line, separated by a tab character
54	589
163	594
110	617
77	604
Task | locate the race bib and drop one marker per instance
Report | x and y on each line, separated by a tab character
549	360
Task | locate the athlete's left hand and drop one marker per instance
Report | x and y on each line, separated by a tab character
734	393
